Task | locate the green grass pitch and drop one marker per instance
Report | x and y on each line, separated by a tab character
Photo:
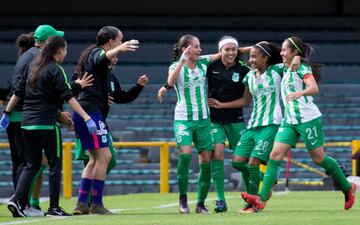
284	208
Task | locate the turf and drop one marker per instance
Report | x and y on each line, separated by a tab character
303	208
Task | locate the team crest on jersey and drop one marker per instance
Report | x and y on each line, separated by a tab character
235	77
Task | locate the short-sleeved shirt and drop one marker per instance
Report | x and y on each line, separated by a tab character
265	91
94	98
191	92
41	102
298	110
225	84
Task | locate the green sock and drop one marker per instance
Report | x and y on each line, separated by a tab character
217	172
243	168
33	183
254	179
34	202
204	181
332	168
183	172
271	174
112	162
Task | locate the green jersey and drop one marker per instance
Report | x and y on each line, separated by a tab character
191	89
298	110
265	91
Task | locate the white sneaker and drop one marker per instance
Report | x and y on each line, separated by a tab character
32	212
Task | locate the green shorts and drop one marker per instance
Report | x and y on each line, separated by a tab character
257	143
312	132
231	131
199	132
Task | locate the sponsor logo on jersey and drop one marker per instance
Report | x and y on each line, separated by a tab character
264	91
195	83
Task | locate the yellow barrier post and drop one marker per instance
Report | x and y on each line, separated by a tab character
164	168
67	170
355	148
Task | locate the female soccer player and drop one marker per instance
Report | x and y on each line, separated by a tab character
192	123
263	84
302	119
225	85
94	99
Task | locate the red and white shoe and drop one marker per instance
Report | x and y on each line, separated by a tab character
350	197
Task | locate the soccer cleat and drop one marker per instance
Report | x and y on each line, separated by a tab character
254	200
200	208
350	197
57	212
183	205
220	206
33	212
249	209
81	209
15	208
99	209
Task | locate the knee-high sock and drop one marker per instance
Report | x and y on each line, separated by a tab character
243	168
183	172
271	175
32	187
84	189
204	181
332	168
97	192
217	171
254	179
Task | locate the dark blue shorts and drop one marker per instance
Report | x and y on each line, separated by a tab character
91	141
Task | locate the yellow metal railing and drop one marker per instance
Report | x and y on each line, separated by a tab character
67	158
355	148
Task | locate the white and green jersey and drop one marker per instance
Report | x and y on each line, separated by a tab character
191	89
265	91
298	110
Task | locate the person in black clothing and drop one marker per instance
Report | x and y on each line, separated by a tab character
29	46
43	93
94	99
225	85
116	95
28	49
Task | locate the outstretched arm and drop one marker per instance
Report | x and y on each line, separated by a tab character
238	103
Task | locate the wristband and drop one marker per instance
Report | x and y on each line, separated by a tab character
167	86
183	57
6	112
